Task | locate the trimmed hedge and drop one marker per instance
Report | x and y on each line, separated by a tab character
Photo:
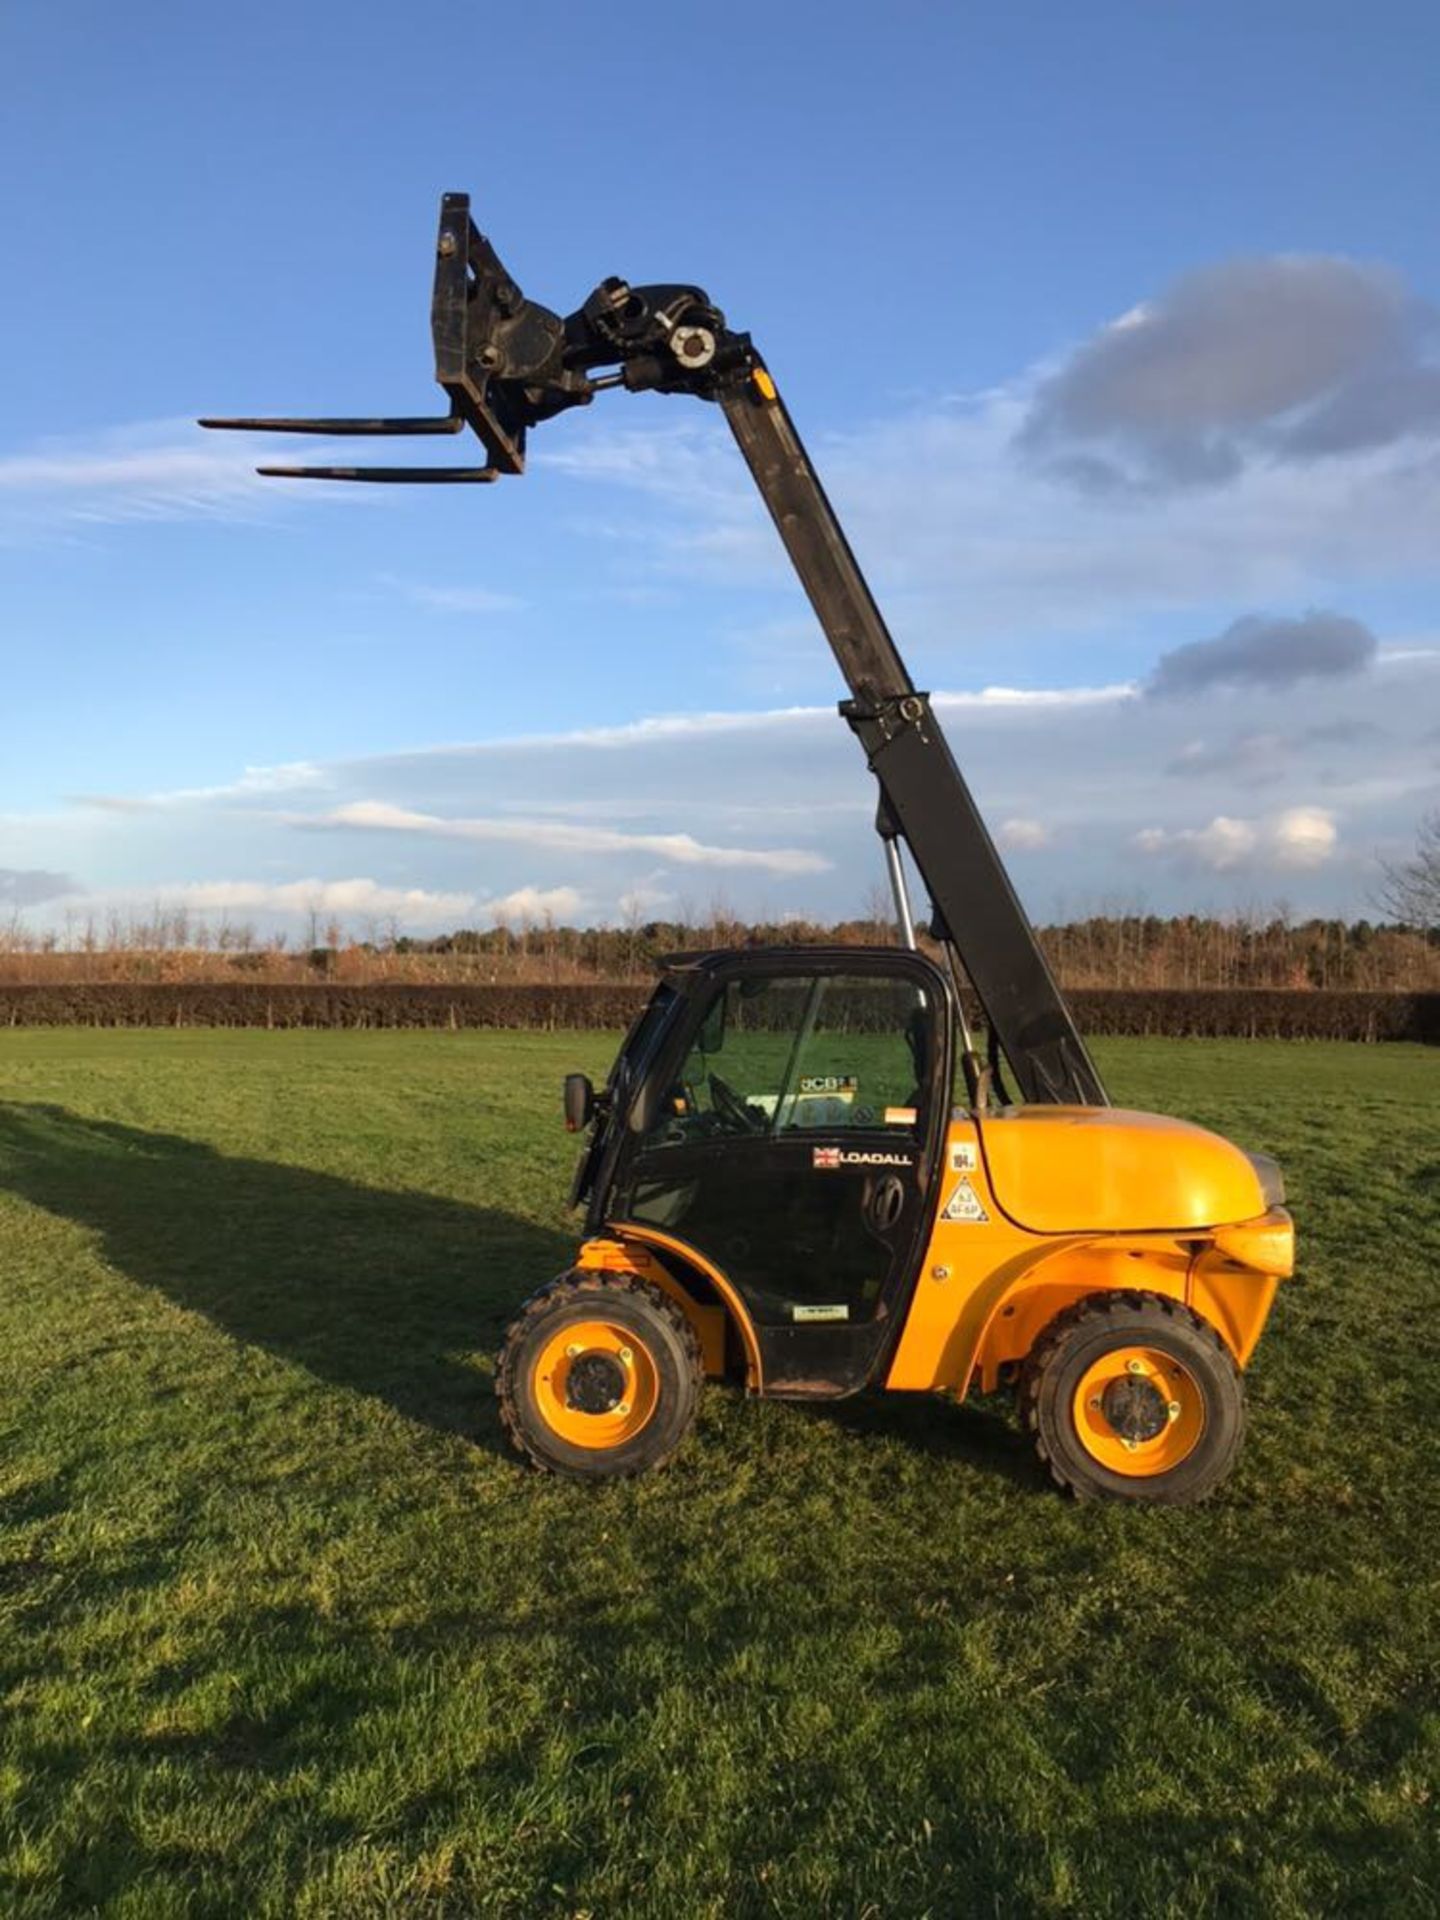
1258	1013
1204	1013
254	1004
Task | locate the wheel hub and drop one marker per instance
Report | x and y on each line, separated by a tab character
1134	1408
595	1383
1138	1410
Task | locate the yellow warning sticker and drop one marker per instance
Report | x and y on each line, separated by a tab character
965	1204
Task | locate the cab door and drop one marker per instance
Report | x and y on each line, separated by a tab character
791	1135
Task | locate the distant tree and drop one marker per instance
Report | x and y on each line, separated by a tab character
1410	889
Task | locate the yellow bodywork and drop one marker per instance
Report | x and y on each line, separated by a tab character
1037	1207
1108	1170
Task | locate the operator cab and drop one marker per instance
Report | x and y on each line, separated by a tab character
780	1112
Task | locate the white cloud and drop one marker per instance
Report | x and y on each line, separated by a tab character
342	898
1281	357
688	454
255	783
1304	836
942	510
1089	773
1253	759
646	897
155	470
453	599
1225	843
1268	652
32	887
657	728
565	837
939	503
1299	837
528	905
697	799
1019	835
1041	697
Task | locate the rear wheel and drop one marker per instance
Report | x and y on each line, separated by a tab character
599	1376
1135	1397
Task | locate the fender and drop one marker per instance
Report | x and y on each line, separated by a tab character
625	1248
1021	1307
1006	1306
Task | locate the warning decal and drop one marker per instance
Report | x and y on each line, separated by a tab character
964	1157
965	1204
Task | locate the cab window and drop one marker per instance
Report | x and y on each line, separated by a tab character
799	1053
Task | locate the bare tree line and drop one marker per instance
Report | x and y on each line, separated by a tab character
1116	947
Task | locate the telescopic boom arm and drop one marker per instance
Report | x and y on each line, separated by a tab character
507	363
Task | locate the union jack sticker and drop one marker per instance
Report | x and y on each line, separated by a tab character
827	1157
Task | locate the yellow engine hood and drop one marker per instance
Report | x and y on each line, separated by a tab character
1107	1170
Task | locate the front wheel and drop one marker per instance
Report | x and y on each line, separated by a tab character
599	1376
1135	1397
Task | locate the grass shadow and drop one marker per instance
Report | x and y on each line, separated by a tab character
381	1292
980	1433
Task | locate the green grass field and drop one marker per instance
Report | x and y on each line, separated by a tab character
284	1630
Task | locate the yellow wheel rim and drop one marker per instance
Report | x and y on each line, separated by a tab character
595	1383
1138	1412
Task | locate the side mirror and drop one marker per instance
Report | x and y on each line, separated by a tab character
579	1102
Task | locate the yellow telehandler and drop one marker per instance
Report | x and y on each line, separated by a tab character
803	1171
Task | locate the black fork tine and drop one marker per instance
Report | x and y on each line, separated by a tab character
379	428
391	476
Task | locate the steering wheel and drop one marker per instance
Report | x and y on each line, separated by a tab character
730	1108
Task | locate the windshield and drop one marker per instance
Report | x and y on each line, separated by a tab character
801	1053
637	1050
640	1044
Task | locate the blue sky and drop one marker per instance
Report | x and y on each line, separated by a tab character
1111	327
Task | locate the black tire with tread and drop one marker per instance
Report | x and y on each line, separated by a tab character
1084	1333
670	1338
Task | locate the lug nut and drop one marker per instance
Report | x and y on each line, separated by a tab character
1173	1410
626	1356
1134	1366
572	1350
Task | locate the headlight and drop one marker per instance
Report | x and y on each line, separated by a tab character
1272	1180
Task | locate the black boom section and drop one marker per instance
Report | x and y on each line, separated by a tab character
972	895
814	539
507	363
912	761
